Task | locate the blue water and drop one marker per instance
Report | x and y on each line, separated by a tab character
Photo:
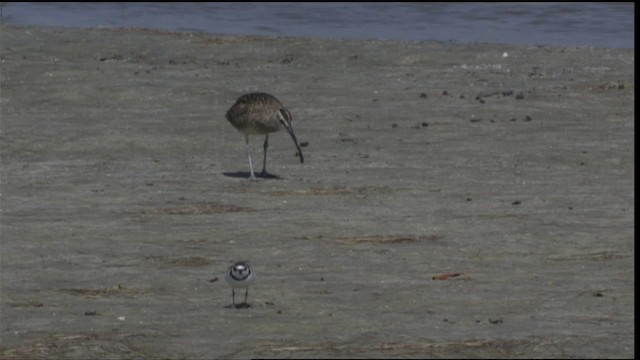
571	24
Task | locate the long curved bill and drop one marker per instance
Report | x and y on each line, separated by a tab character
295	141
285	120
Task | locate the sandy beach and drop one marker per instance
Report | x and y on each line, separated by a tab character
124	198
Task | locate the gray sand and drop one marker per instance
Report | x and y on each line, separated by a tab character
125	198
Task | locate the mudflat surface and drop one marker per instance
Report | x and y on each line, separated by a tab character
124	198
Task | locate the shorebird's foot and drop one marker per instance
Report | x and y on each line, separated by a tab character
265	175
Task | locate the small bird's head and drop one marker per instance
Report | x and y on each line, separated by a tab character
240	270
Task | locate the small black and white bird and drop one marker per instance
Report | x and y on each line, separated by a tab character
240	275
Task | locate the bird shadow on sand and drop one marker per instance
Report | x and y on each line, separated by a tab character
246	175
238	306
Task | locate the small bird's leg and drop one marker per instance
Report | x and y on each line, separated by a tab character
246	138
264	163
245	295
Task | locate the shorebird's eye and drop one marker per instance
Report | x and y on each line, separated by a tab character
284	115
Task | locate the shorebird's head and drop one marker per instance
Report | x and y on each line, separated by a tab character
285	118
240	270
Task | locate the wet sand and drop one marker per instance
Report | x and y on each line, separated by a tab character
124	198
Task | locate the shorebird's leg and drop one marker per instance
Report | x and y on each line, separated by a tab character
264	173
246	139
245	295
233	296
264	163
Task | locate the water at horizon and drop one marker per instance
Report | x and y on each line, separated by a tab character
609	25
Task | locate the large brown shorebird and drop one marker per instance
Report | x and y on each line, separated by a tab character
261	114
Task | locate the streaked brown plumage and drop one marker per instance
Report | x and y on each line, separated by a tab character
261	114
